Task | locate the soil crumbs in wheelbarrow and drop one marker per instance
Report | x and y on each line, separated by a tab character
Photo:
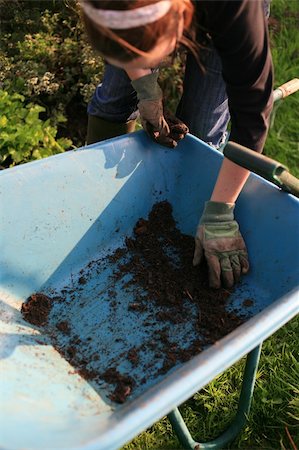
159	262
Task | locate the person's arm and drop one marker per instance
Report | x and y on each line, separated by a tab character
162	127
240	35
134	74
230	182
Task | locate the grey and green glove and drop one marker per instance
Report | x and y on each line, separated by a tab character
165	131
218	239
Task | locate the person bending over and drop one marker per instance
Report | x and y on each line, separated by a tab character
228	76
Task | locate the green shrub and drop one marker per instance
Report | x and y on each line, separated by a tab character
24	136
45	56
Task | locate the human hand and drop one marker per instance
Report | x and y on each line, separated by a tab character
178	129
218	239
163	128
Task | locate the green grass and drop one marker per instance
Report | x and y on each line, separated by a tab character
275	409
283	139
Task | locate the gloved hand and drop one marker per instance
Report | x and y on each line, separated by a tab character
218	239
178	129
165	129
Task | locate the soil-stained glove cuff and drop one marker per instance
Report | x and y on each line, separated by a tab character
217	212
147	87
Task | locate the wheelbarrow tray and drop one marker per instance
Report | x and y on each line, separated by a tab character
60	214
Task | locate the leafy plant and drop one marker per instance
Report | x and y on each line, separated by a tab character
45	56
24	136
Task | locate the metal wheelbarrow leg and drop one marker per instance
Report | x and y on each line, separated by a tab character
180	427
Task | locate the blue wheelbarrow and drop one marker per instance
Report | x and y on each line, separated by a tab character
61	214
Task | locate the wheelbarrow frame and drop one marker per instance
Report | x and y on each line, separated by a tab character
163	398
239	421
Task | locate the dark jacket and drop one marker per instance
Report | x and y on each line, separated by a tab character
239	32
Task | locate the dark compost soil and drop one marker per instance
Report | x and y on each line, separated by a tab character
159	261
36	309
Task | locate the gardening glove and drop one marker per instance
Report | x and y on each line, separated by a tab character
150	105
218	239
178	129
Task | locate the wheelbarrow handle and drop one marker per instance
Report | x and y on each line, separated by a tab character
286	89
266	167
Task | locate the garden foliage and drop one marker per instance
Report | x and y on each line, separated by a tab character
24	136
45	58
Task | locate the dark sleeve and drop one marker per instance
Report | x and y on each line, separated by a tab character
240	34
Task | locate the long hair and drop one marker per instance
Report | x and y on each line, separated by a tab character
127	44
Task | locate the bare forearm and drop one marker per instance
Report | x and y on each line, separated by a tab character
230	182
134	74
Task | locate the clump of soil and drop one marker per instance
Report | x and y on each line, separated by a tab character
71	352
36	309
248	302
87	374
133	356
64	327
82	280
123	384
